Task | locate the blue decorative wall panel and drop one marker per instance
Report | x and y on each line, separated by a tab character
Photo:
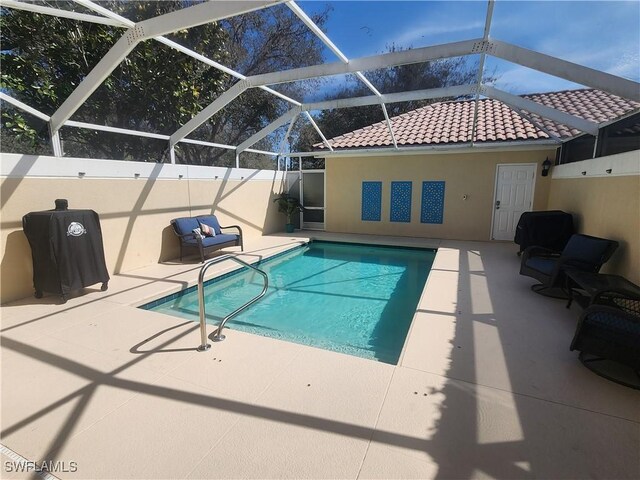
400	201
371	201
432	202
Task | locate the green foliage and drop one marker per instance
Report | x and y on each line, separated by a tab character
288	205
17	125
44	59
156	88
259	42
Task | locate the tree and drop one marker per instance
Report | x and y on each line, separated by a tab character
156	88
259	42
434	74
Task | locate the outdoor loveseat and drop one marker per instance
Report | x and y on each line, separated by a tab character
187	228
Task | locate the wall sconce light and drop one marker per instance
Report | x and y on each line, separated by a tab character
546	166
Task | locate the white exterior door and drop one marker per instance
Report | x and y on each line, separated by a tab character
513	197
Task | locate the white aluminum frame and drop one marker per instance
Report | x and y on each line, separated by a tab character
136	133
24	107
485	37
211	11
125	22
540	109
315	125
384	60
568	70
57	12
343	58
154	27
454	91
213	108
519	145
272	127
319	226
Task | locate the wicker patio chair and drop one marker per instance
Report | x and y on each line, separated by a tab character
608	338
582	252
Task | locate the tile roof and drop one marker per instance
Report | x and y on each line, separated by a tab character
451	122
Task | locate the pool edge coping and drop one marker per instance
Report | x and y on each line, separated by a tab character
300	244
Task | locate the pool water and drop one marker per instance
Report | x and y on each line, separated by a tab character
354	299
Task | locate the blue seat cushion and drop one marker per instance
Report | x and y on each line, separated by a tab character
586	249
185	225
210	220
615	323
210	241
542	264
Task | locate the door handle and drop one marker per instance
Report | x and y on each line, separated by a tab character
497	204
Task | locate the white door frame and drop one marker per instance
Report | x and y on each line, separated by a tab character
495	189
314	225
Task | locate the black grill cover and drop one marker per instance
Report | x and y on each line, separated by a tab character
67	250
550	229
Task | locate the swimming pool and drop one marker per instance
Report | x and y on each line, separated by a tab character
351	298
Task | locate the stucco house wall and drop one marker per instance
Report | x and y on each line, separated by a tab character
470	173
604	204
134	211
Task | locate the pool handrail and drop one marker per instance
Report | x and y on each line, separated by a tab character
217	335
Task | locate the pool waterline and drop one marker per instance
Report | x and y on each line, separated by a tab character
352	298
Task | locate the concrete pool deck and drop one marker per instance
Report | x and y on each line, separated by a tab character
486	386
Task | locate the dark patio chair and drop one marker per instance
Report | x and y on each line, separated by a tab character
608	338
582	252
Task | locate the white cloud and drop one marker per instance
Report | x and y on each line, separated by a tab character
628	66
520	80
614	59
429	29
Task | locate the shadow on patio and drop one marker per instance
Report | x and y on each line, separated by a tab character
495	391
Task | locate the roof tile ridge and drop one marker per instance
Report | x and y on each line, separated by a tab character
354	133
558	92
414	111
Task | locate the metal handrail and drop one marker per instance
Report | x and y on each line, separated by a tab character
217	335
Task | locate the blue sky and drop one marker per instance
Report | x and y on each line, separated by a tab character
599	34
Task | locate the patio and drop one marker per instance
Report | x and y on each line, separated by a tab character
486	386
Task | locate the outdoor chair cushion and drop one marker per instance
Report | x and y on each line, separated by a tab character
186	225
217	240
606	332
608	321
587	249
542	264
